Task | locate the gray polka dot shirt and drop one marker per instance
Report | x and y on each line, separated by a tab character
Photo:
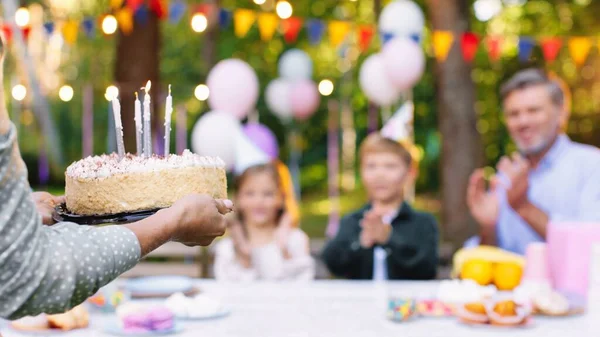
50	269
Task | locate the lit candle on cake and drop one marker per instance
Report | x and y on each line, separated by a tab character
168	113
147	124
138	125
118	126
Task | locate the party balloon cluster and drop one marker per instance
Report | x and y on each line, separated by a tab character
401	62
234	90
294	94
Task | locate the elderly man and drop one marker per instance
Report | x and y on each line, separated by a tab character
550	179
53	268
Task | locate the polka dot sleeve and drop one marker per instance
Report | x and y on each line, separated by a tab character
50	269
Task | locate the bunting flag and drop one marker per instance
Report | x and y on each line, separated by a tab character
224	18
134	5
337	32
469	43
550	48
579	48
49	27
141	14
7	33
267	25
526	45
365	35
209	10
416	38
176	11
494	47
88	27
116	4
125	19
386	37
442	42
70	30
159	7
243	19
291	27
315	28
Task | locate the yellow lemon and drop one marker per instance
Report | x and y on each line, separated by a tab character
507	275
480	271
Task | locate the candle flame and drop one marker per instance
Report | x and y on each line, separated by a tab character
148	85
136	95
169	90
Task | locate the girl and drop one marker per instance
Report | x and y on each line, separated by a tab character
264	245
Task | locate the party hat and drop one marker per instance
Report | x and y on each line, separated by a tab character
398	126
247	154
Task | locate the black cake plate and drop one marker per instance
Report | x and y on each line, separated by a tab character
61	213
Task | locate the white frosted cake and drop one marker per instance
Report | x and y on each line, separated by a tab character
104	184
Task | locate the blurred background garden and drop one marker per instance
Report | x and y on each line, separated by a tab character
73	51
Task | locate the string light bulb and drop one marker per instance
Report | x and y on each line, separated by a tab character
284	9
326	87
109	25
202	92
19	92
22	17
199	22
111	92
65	93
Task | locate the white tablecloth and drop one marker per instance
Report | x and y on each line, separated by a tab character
336	308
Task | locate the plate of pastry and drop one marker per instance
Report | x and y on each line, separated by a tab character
61	213
74	319
198	307
141	319
557	304
495	313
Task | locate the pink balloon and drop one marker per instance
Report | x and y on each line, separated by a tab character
404	62
233	87
304	99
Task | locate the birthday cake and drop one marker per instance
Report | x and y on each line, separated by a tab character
105	184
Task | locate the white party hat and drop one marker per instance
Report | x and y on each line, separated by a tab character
398	127
247	154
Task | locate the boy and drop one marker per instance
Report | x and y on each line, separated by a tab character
386	239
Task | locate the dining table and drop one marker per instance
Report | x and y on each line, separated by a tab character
333	308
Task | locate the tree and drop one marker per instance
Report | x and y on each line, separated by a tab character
461	143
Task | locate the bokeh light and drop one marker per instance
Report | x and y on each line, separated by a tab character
201	92
259	2
199	23
22	17
65	93
19	92
111	92
326	87
284	9
109	25
487	9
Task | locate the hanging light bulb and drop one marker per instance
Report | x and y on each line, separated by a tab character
65	93
199	22
202	92
109	25
19	92
111	92
284	9
326	87
22	17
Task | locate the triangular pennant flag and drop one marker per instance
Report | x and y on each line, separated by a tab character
315	28
365	35
116	4
49	27
494	47
442	42
134	5
25	31
416	38
159	8
386	37
526	45
550	48
141	15
243	19
224	17
176	11
291	27
70	30
579	47
267	25
337	32
469	43
88	26
124	17
7	32
208	9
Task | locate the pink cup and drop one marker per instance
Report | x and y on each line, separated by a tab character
536	263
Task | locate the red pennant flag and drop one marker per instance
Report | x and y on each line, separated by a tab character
365	35
550	48
291	27
469	43
7	32
134	4
158	7
26	32
494	47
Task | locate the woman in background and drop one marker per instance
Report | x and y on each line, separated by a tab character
264	243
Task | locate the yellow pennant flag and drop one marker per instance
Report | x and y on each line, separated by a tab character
125	19
338	31
115	4
243	19
70	29
579	48
267	24
442	42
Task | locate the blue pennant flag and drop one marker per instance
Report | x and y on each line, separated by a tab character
526	45
88	26
141	15
315	28
224	17
416	38
386	37
176	11
49	27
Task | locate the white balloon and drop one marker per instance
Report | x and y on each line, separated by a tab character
375	82
402	18
295	65
248	154
277	96
215	135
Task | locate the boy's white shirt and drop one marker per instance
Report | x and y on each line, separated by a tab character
380	272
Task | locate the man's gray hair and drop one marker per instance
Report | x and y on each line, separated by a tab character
532	77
